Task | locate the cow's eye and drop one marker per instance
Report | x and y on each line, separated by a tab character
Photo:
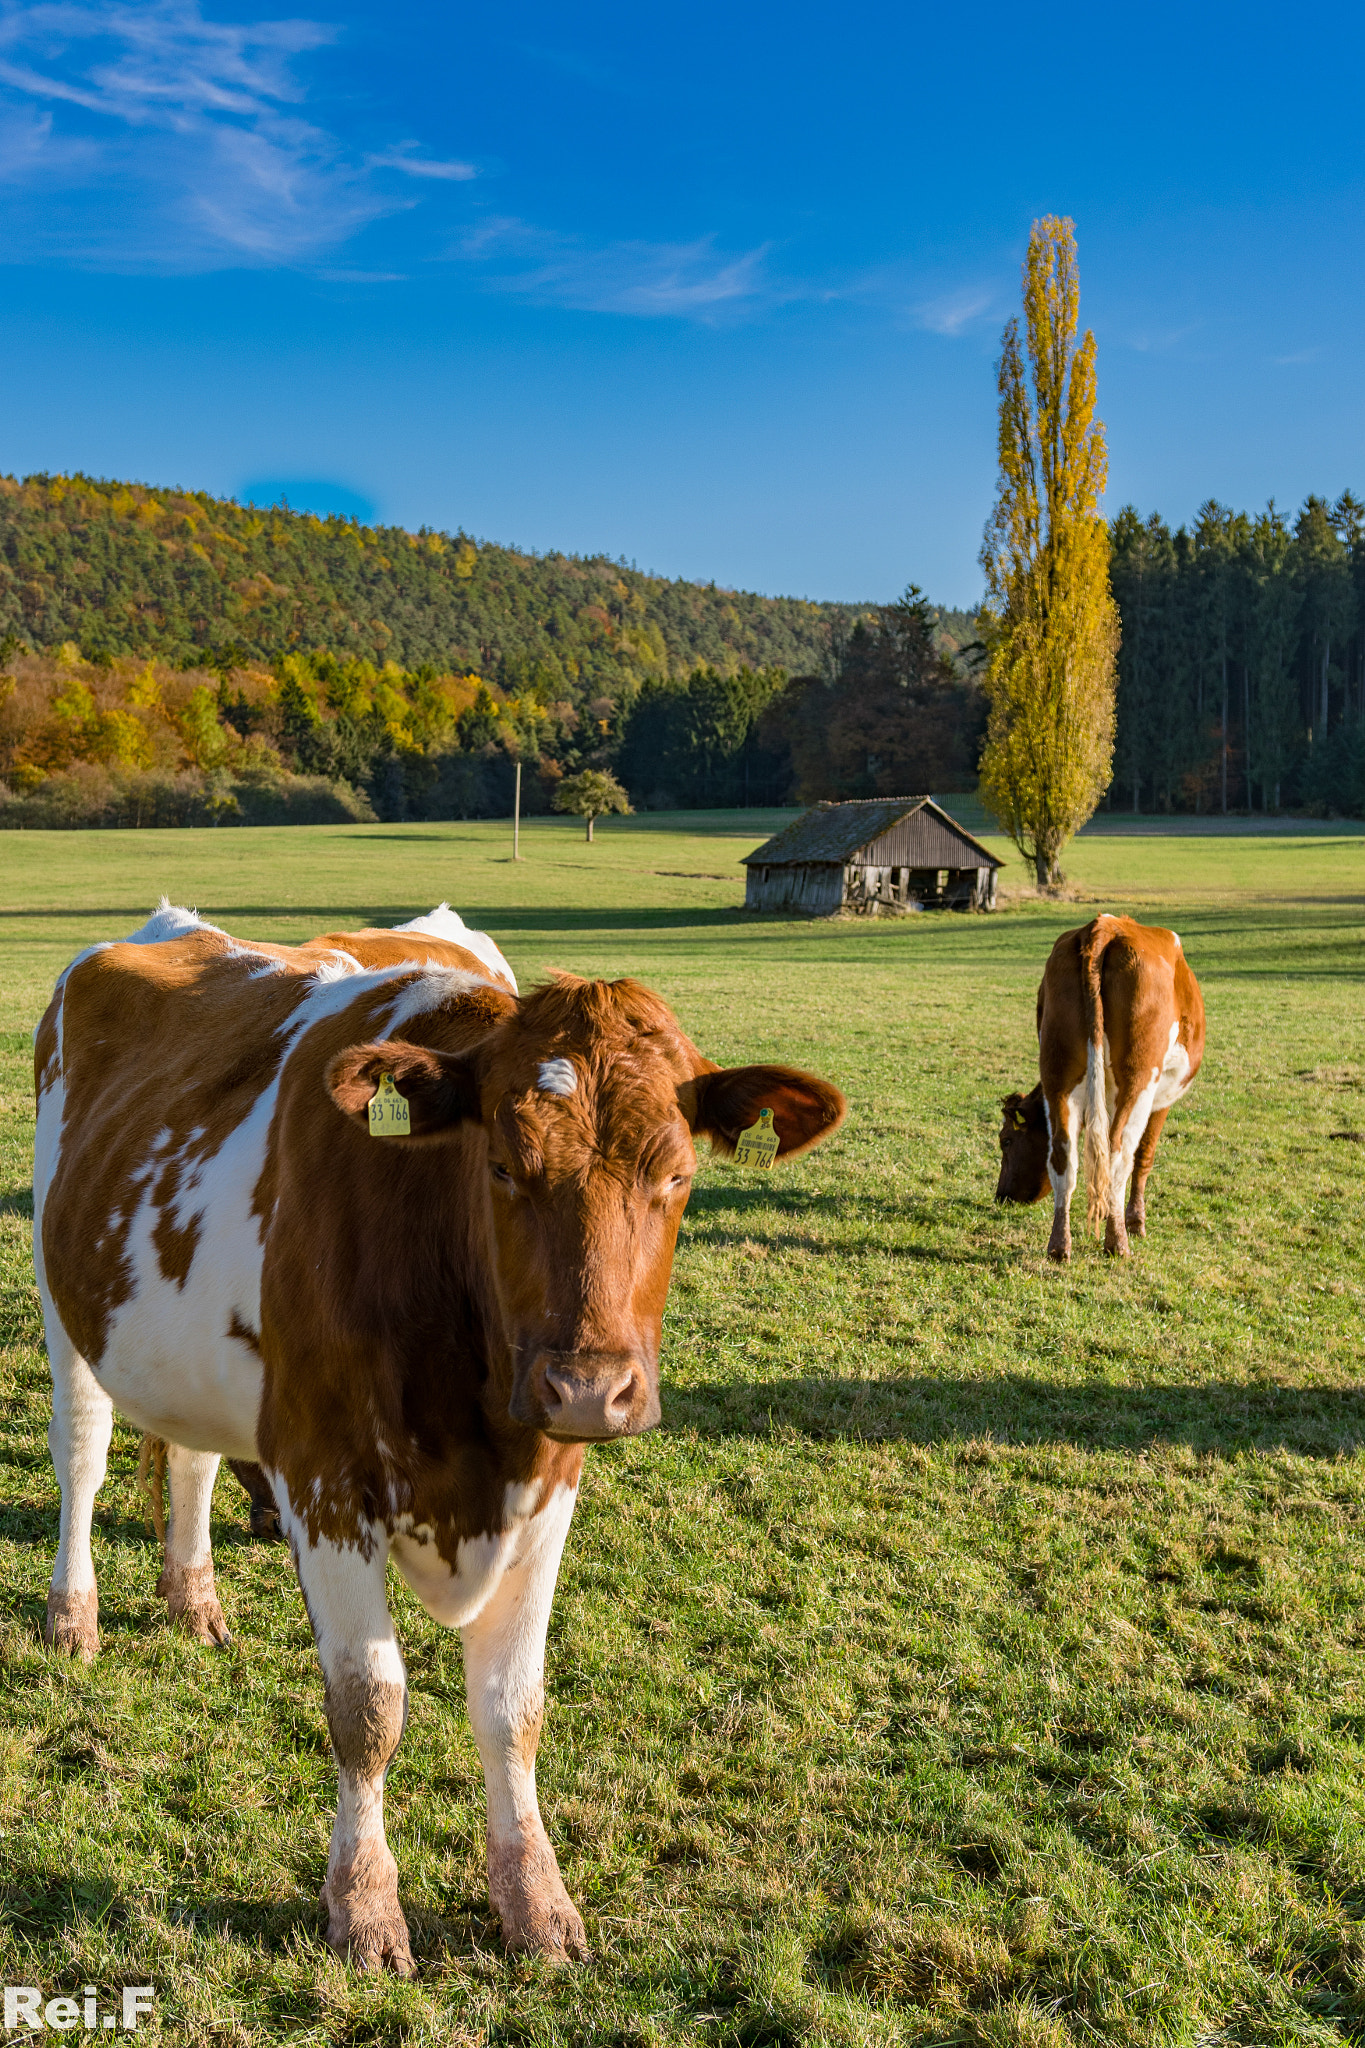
501	1177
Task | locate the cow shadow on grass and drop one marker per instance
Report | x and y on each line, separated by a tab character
43	1905
1216	1416
727	1215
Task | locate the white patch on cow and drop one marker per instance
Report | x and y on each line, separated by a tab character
428	989
457	1597
1064	1183
337	966
1176	937
557	1077
1174	1078
445	923
169	1362
171	921
520	1501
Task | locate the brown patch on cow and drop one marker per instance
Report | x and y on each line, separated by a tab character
527	1893
367	1717
175	1243
46	1065
73	1624
191	1598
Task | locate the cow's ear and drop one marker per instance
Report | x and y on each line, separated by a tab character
1013	1106
441	1088
720	1105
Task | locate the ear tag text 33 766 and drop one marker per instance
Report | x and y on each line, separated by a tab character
389	1113
758	1145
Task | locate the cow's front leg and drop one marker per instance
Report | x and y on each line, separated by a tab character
1135	1215
366	1702
1063	1122
186	1583
504	1657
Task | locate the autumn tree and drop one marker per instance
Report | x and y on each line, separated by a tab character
590	795
1049	622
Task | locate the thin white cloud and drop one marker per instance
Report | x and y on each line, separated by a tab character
1301	355
952	313
401	158
191	133
645	280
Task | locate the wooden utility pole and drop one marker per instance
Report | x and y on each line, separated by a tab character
516	817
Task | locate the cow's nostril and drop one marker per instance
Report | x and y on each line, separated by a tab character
620	1398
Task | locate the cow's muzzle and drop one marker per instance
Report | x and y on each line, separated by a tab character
588	1396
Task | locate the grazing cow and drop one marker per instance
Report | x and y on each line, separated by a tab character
1120	1038
414	1335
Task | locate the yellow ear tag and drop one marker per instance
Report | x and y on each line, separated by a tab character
389	1113
758	1145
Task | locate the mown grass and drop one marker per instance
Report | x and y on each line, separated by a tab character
976	1655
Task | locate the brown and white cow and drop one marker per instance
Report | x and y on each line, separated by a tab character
414	1335
1120	1039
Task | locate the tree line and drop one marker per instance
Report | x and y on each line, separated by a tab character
1241	681
1240	675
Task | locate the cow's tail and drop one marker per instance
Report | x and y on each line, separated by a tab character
1096	1113
151	1479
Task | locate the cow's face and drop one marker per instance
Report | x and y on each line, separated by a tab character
1023	1149
589	1097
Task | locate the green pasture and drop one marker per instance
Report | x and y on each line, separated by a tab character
976	1654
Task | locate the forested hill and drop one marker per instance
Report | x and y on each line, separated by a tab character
120	569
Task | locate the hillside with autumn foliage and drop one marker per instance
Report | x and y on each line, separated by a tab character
124	569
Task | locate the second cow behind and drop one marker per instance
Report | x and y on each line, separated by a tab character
1120	1039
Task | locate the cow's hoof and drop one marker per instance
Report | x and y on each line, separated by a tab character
192	1603
554	1930
265	1525
538	1916
369	1932
73	1624
1060	1254
1116	1247
1136	1226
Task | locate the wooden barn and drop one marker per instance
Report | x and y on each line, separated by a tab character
879	855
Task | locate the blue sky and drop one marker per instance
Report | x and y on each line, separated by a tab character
716	289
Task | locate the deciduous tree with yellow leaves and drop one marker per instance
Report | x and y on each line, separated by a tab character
1049	622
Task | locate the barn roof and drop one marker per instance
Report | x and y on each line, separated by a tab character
833	833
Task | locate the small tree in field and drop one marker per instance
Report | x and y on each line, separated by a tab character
1050	624
591	795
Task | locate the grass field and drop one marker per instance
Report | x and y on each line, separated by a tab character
977	1653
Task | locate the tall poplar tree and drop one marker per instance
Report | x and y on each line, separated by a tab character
1049	623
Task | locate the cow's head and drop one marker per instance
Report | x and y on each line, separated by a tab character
1023	1149
589	1097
